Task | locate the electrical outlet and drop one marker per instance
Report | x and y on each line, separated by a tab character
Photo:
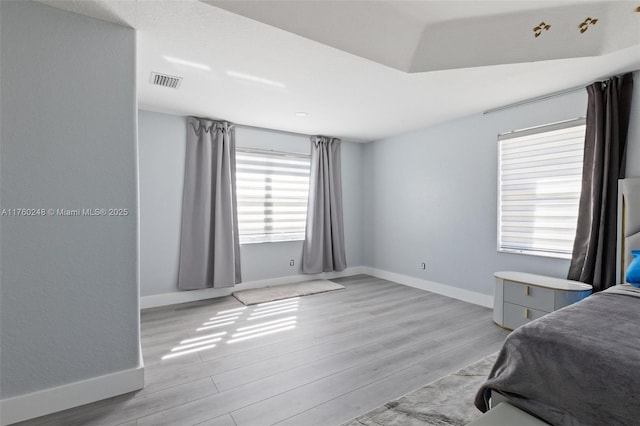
292	262
423	265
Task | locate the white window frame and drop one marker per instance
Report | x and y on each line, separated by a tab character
248	208
549	131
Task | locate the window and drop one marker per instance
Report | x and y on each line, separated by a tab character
539	183
272	189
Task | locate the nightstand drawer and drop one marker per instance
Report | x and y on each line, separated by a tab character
516	315
529	296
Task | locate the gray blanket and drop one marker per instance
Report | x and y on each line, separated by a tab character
576	366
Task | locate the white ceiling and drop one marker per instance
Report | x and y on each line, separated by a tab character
352	81
419	36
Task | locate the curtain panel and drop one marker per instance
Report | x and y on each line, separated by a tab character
323	249
594	250
209	246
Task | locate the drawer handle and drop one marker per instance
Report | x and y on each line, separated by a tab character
526	313
527	291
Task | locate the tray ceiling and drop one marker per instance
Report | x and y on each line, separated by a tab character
365	70
419	36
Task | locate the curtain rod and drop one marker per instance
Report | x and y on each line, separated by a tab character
246	126
537	99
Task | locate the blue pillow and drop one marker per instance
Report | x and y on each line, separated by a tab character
633	271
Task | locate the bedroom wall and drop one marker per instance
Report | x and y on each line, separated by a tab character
633	143
162	140
69	296
399	210
431	196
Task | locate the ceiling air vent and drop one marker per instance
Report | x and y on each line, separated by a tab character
165	80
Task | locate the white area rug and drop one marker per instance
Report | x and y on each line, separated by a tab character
286	291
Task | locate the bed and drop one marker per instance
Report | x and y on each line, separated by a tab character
579	365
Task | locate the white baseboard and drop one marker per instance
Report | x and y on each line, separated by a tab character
47	401
443	289
165	299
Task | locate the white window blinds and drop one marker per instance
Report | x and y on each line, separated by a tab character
540	176
272	189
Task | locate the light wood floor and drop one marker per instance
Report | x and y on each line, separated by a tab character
317	360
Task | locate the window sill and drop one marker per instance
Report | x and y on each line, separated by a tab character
565	256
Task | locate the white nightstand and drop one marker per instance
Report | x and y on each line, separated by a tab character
520	297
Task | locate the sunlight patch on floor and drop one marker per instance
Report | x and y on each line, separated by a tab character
228	317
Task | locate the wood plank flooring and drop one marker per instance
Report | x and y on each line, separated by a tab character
316	360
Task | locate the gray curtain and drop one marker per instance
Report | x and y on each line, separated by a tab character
594	249
323	249
209	246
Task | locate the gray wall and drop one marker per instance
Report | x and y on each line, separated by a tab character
633	141
431	195
69	296
162	140
161	145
